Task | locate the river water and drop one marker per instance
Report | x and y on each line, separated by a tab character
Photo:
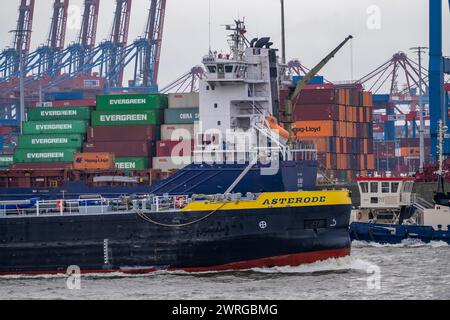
406	271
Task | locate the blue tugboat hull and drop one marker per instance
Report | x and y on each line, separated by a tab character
395	233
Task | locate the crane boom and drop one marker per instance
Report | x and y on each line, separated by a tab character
289	109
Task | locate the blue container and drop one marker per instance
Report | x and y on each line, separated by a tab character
380	98
314	80
59	96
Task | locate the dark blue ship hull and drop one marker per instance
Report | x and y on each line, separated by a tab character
193	179
395	233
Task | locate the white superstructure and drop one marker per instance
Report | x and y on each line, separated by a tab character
240	88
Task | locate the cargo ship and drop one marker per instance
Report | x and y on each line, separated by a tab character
244	197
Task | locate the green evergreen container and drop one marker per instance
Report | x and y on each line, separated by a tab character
125	118
131	164
132	101
181	116
57	127
39	156
49	141
5	161
64	113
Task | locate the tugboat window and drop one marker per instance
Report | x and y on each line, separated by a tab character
364	187
212	69
228	69
374	187
385	187
394	187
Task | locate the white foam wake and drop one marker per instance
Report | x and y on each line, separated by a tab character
330	265
407	243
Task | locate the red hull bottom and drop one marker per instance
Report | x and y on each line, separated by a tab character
292	260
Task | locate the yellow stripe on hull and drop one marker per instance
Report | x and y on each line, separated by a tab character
278	200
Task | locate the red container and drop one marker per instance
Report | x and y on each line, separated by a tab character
119	133
316	112
318	96
7	130
68	103
123	148
384	149
184	148
41	166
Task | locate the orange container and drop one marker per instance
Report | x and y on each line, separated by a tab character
93	161
410	152
310	129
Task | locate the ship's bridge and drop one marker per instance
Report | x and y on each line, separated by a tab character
385	193
221	68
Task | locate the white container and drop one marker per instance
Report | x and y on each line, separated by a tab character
176	132
166	164
184	100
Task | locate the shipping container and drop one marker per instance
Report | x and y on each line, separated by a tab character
93	161
178	132
317	112
181	116
132	102
123	149
123	133
6	160
49	127
315	128
125	118
46	166
131	164
314	80
184	100
51	141
170	163
182	148
66	103
61	96
49	155
320	96
62	113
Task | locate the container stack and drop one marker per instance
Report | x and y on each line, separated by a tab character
175	149
400	156
126	126
339	122
51	137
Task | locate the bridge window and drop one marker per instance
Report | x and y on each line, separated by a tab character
385	187
228	69
212	69
374	187
364	187
394	187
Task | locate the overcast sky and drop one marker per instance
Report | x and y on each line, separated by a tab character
380	28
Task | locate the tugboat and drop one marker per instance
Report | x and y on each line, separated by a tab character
228	227
390	213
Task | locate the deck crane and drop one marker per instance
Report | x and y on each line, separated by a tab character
289	103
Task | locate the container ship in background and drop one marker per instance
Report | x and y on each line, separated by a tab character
231	208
